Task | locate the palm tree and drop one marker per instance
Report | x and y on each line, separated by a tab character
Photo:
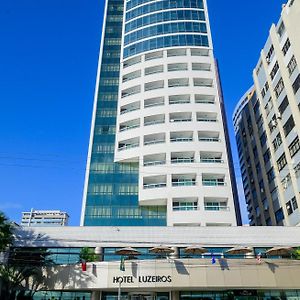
22	270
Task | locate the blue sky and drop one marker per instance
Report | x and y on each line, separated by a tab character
48	62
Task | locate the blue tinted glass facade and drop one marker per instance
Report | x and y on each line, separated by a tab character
163	5
164	29
112	189
165	17
165	42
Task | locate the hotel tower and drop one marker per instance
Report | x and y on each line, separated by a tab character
159	151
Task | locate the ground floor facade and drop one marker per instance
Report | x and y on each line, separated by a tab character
214	274
180	295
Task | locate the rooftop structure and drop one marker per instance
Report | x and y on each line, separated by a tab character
44	218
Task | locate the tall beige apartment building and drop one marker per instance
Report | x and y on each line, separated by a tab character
267	127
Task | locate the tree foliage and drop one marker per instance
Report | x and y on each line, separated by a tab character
6	234
87	255
296	253
21	270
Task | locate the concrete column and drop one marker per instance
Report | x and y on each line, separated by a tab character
96	295
99	253
174	295
175	254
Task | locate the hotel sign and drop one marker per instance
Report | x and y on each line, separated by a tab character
142	279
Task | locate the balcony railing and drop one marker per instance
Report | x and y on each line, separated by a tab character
185	208
205	101
154	185
184	182
129	127
216	208
154	104
147	143
179	120
180	160
181	139
206	120
125	111
178	102
208	139
148	123
212	182
129	146
211	160
154	163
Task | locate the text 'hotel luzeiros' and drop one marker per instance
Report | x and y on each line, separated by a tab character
159	151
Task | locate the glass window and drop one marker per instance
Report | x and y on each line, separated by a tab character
294	147
288	126
166	41
296	84
162	5
292	65
284	104
281	162
286	46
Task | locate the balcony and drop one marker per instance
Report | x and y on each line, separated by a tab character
131	91
206	117
180	117
131	76
199	52
154	159
205	99
178	82
128	144
201	67
154	55
185	204
216	204
154	70
203	82
183	180
129	125
213	180
156	119
177	67
153	139
181	136
176	52
132	61
154	182
182	157
154	85
208	136
130	107
211	157
179	99
158	101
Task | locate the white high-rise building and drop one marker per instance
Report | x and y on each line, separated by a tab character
170	121
41	218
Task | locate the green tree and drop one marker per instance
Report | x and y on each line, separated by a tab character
87	255
21	270
6	232
296	253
